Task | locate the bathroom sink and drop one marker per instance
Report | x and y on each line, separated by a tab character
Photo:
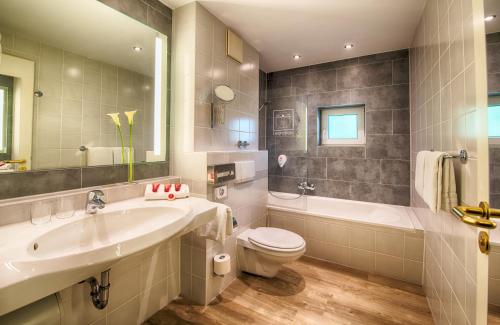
101	230
39	260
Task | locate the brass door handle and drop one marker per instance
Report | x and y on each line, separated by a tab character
477	216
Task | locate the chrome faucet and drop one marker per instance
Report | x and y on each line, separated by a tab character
94	201
303	186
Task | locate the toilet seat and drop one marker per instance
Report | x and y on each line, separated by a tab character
275	239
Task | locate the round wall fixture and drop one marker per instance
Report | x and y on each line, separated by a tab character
224	93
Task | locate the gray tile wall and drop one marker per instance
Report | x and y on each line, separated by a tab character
45	181
378	171
149	12
493	59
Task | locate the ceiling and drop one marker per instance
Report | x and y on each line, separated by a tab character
87	28
317	29
492	7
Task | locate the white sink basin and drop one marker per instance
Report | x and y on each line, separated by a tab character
43	259
101	230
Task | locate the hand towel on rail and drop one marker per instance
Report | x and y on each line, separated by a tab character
435	180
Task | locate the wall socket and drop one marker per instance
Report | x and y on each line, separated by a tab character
220	192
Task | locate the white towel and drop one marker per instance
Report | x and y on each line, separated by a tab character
433	172
435	180
449	198
220	227
419	172
117	155
97	156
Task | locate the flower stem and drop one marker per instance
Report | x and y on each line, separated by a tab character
130	156
122	142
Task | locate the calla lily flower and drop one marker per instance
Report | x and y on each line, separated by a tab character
115	117
130	116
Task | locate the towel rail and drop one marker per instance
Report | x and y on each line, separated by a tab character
462	155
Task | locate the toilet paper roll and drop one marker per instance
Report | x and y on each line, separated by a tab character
222	264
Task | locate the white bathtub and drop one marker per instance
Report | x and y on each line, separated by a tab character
376	238
393	216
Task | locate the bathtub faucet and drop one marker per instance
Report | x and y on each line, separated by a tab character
303	186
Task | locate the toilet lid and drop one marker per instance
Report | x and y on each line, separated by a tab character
276	238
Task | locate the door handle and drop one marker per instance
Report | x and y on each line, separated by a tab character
477	216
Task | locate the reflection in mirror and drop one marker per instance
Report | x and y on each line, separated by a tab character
492	26
65	66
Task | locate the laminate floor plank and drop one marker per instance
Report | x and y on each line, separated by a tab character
307	291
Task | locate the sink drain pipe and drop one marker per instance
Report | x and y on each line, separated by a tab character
99	292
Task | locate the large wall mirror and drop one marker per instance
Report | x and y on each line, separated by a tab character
64	67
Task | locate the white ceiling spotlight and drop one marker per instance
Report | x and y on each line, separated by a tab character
297	57
137	48
490	17
348	46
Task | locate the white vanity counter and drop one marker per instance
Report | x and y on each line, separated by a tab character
38	260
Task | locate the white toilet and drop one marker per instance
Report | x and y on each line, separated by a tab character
264	250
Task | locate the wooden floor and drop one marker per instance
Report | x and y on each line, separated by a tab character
493	315
306	292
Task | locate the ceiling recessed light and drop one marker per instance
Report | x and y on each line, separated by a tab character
348	45
490	17
296	57
137	48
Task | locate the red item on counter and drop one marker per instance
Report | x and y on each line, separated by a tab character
155	186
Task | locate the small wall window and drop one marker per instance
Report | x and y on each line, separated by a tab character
342	125
494	121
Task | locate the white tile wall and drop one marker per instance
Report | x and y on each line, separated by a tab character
446	100
381	250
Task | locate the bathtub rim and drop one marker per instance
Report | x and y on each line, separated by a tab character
417	227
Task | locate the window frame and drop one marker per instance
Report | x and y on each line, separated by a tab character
323	118
7	83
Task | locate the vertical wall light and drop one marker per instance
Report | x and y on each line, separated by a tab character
158	95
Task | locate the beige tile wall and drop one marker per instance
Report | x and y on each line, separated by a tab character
446	90
78	93
248	202
386	251
200	64
214	68
141	285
